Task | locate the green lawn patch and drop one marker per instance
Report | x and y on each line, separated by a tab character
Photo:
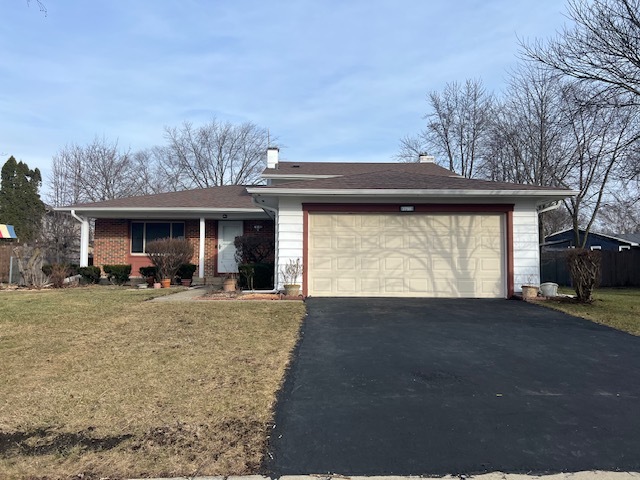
616	307
99	382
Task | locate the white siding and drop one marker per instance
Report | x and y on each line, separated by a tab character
290	235
526	251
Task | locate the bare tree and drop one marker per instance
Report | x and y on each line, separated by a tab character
152	175
41	6
217	153
602	46
92	173
526	141
601	138
457	125
621	212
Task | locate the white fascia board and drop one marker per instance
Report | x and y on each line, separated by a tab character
158	209
177	213
412	192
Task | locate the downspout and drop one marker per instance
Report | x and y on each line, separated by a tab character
275	259
84	239
553	206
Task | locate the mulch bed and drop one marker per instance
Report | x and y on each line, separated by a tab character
248	296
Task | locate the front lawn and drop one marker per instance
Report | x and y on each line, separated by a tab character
616	307
99	382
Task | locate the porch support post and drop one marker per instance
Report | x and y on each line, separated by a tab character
84	239
201	249
84	243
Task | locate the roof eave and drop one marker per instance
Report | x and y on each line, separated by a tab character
176	213
547	194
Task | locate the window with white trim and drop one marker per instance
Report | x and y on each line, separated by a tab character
624	247
143	232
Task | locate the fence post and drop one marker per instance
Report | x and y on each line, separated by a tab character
10	269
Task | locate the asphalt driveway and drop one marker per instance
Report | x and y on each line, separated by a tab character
397	386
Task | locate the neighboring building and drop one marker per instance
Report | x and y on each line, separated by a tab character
360	229
595	241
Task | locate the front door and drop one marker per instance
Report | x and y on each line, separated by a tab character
227	233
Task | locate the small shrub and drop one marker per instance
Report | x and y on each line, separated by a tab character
186	271
256	276
254	249
149	272
90	274
58	274
167	254
71	269
584	268
118	274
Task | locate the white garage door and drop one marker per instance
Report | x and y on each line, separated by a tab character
411	255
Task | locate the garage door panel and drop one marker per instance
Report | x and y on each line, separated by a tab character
445	255
319	264
394	285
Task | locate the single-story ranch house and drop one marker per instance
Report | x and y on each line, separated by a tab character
359	229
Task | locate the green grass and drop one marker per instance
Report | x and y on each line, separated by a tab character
98	381
616	307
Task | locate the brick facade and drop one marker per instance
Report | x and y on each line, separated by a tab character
112	242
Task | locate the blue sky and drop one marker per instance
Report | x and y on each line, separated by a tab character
334	80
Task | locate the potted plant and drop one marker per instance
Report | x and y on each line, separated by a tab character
230	282
529	289
290	274
185	273
167	254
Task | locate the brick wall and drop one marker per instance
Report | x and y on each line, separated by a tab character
112	243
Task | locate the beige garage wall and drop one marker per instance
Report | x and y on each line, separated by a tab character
429	255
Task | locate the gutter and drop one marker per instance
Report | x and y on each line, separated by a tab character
156	209
398	192
553	206
73	214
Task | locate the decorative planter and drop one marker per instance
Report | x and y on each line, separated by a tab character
157	285
549	289
185	282
229	285
166	282
292	290
529	291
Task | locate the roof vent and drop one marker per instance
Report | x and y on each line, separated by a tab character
272	157
295	166
424	158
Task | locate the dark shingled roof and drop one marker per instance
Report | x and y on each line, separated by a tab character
631	237
345	168
231	196
392	179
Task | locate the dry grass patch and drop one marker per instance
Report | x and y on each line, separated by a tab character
96	381
615	307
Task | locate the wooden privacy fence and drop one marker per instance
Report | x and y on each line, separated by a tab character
6	251
618	269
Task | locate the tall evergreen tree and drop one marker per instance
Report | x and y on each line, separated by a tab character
20	203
